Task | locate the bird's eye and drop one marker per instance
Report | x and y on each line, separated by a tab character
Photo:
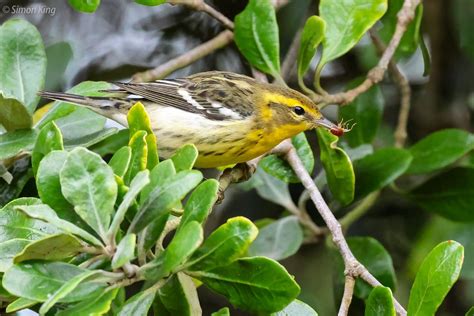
298	110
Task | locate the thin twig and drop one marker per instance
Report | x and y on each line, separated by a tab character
375	75
352	266
405	93
200	5
289	62
347	296
222	39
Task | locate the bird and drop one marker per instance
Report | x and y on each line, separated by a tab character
230	118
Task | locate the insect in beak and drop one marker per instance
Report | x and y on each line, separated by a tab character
335	129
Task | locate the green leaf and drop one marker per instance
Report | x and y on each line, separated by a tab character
138	160
8	250
92	138
255	284
200	202
411	37
437	274
84	6
138	183
163	197
278	240
53	248
139	304
183	245
120	161
158	177
449	194
281	169
376	259
470	312
45	213
49	139
12	143
227	243
154	230
256	36
88	183
98	305
16	225
296	308
49	186
224	311
179	296
380	302
138	120
111	144
311	37
19	304
13	115
37	280
65	289
150	2
365	112
23	64
338	167
125	251
346	22
379	169
272	189
439	150
185	157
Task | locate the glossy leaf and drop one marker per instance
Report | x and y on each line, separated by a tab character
12	143
65	289
120	161
437	274
279	239
19	304
227	243
365	112
338	167
16	225
296	307
439	150
375	171
163	197
281	169
222	312
53	248
255	284
272	189
13	115
179	296
449	194
200	202
98	305
37	280
138	120
380	302
23	64
49	186
8	250
185	157
150	2
49	139
138	160
125	251
158	177
91	138
111	144
154	230
88	183
139	304
311	37
183	245
346	22
45	213
256	36
84	6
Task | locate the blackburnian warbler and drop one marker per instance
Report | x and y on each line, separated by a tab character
230	118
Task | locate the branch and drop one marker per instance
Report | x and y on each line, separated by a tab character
352	266
221	40
375	75
200	5
290	59
347	296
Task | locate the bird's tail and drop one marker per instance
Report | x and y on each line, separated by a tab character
98	104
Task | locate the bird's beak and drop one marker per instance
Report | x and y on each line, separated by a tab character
324	122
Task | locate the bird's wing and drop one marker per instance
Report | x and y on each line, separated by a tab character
212	98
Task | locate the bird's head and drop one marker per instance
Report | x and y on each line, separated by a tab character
293	112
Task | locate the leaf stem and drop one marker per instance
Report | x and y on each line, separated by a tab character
359	210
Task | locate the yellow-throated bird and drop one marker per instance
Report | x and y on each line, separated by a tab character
230	118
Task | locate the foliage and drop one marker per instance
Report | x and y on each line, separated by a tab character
106	215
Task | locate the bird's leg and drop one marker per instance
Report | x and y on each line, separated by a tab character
239	173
